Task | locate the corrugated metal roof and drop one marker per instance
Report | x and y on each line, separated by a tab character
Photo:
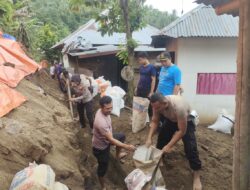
203	22
110	49
90	33
89	25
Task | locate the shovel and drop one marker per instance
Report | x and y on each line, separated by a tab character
151	183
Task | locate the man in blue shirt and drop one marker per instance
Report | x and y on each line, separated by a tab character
170	76
146	84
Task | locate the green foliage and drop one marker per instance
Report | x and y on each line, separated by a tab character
113	20
131	43
80	5
46	39
123	55
159	19
7	24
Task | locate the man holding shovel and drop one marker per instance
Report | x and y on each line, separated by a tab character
177	125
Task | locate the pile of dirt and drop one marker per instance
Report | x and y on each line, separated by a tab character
42	130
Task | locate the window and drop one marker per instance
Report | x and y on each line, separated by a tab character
216	83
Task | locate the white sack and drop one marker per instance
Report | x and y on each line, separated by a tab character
224	123
140	113
136	179
34	177
116	93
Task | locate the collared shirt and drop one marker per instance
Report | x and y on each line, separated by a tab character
102	126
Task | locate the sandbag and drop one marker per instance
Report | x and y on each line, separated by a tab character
34	177
102	85
136	179
224	123
60	186
140	113
116	93
146	160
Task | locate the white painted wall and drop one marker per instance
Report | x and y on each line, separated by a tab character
206	55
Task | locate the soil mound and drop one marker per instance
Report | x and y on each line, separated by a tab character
40	130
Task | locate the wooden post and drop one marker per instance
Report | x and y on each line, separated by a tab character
228	7
69	97
241	159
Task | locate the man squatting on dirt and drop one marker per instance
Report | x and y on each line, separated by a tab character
177	125
103	137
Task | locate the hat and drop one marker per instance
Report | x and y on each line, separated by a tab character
164	56
76	78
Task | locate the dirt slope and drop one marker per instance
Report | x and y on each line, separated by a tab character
40	130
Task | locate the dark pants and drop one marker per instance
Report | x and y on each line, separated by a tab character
189	140
89	112
102	156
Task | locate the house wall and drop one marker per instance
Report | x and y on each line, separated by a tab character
206	55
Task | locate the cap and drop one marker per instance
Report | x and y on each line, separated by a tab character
164	56
76	78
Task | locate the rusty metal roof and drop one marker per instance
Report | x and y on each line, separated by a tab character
202	22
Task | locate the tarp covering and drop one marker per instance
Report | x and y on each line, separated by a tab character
9	100
14	66
11	53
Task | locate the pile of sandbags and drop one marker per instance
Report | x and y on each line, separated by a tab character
36	177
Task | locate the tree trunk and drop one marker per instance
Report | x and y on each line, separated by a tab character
124	7
241	161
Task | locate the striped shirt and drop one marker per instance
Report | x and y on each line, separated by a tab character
102	126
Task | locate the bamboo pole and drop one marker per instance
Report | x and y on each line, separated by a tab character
241	159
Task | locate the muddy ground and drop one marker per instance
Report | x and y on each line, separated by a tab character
48	135
215	152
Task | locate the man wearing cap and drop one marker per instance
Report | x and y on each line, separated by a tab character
170	76
83	99
177	125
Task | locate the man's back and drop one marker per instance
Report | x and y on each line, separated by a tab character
177	108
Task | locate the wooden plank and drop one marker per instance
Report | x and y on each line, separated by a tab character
241	159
